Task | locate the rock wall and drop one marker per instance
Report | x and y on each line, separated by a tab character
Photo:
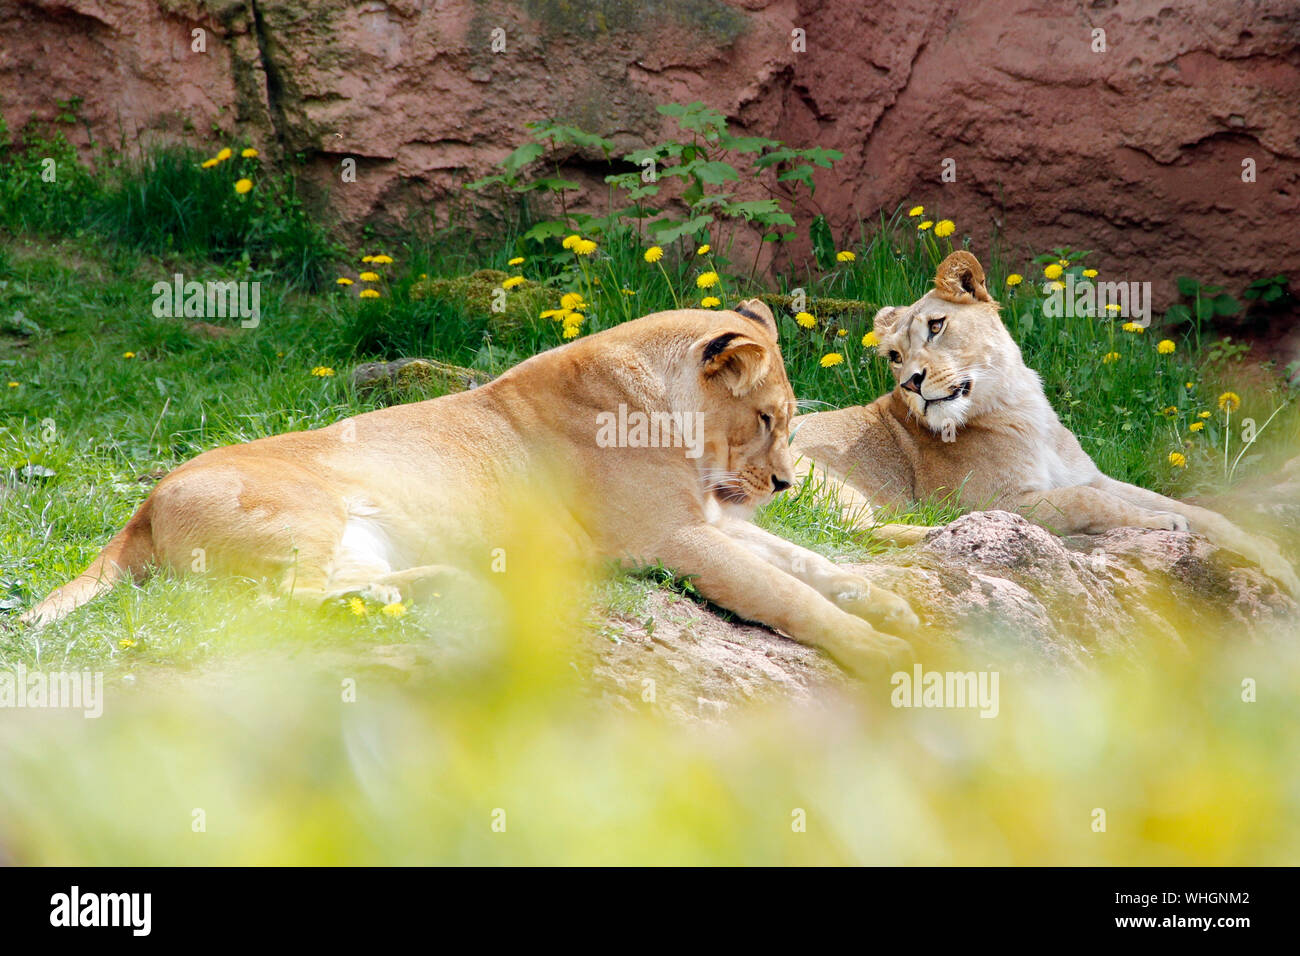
1135	152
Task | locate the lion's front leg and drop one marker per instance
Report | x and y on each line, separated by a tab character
734	577
848	591
1084	509
1217	528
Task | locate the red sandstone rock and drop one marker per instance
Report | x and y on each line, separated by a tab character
1135	152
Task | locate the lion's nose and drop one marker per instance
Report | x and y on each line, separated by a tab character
913	384
779	484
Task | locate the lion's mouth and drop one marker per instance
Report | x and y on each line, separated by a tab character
731	496
961	391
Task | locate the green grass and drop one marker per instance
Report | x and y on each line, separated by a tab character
226	701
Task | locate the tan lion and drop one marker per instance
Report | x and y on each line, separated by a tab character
668	431
969	419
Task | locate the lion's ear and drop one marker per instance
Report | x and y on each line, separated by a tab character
960	278
739	362
885	321
757	311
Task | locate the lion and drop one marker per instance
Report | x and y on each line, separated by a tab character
968	421
387	501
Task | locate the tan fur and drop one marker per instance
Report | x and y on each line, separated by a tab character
377	502
980	429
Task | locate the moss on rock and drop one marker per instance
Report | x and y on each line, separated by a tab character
478	291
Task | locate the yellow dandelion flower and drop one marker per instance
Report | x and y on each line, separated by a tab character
1229	402
1132	327
13	385
831	358
1170	412
516	261
512	282
1015	279
209	163
243	185
944	227
1090	273
343	280
357	606
1063	262
1113	307
1202	414
1196	426
840	333
654	254
369	277
924	226
369	294
571	241
127	643
706	280
556	314
584	247
1166	347
870	340
382	260
249	153
572	331
396	609
916	211
703	250
224	155
128	355
1053	271
1058	284
1110	357
844	256
1177	459
571	301
322	371
805	319
367	258
710	302
629	291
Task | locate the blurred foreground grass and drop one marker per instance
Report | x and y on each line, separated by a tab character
496	748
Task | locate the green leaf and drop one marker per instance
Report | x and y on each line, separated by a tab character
801	174
550	229
1178	313
715	173
555	185
521	157
819	231
671	232
1226	305
1187	286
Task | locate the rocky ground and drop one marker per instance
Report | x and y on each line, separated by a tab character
990	588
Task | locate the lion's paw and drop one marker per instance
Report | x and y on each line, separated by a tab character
883	608
1164	521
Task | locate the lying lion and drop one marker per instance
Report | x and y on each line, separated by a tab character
381	502
969	420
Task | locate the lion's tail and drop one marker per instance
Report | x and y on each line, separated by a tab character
129	554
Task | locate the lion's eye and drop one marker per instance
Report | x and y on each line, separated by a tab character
766	419
895	357
936	326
